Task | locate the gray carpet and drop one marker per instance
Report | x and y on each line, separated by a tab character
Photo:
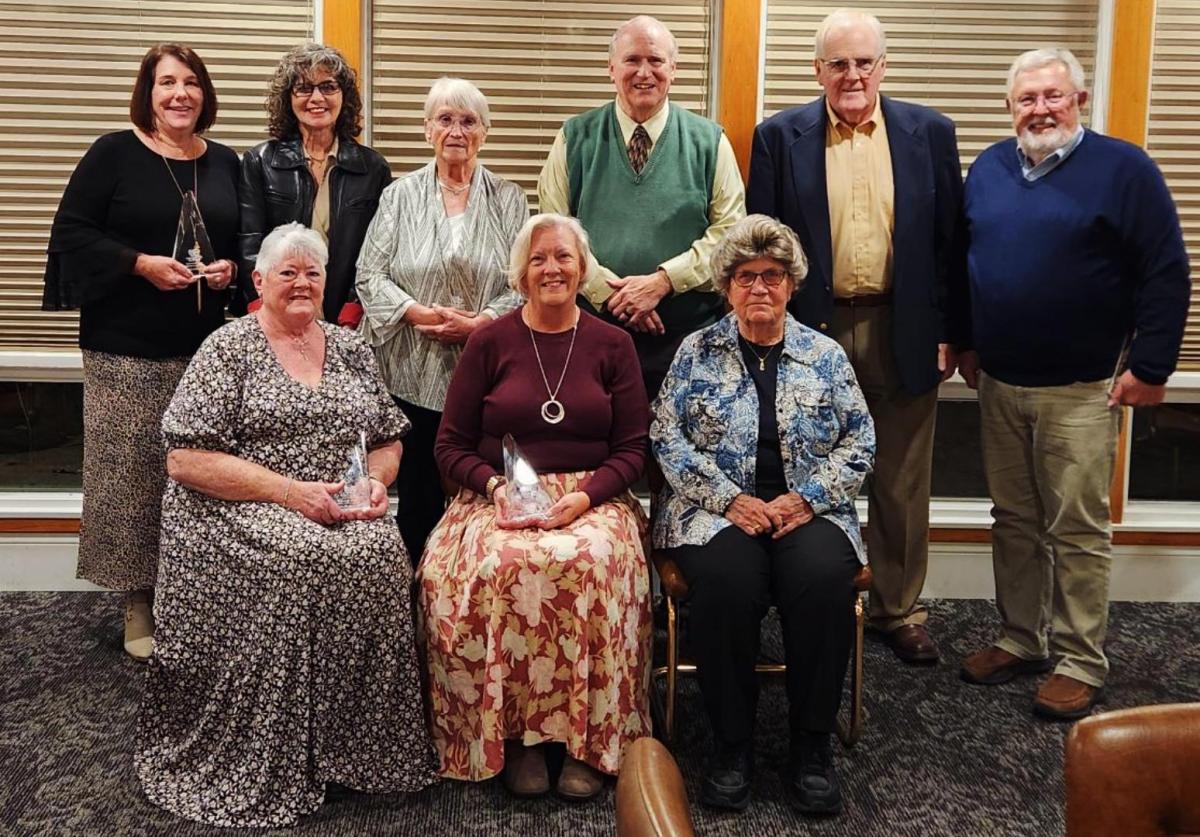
937	757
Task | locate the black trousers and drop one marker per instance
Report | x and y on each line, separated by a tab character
733	580
418	484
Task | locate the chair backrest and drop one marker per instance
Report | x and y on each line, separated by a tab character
651	800
1135	772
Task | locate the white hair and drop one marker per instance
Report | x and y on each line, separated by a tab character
840	19
646	22
288	240
518	259
1035	58
460	94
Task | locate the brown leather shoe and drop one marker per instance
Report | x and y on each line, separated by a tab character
993	666
578	782
1064	698
525	771
913	645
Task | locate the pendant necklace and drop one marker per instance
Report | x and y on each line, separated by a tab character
762	359
195	180
552	409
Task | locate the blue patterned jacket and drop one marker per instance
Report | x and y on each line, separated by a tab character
705	432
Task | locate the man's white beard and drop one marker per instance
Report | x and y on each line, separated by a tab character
1040	146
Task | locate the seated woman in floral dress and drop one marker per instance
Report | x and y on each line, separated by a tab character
285	656
538	635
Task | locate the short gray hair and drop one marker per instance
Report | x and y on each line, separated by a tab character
848	19
757	237
518	259
459	94
1035	58
286	240
649	23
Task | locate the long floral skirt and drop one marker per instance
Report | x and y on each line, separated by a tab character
536	635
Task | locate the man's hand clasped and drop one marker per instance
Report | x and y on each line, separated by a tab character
755	517
636	298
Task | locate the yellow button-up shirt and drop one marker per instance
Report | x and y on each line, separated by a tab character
858	178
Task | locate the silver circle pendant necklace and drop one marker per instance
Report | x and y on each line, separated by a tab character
552	409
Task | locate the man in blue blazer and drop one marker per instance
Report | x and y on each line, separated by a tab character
873	188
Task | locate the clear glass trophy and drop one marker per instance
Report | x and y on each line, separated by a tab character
356	495
528	502
192	247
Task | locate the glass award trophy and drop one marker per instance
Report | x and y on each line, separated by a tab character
192	247
528	502
356	495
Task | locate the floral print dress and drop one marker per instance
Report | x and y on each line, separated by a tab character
536	635
285	655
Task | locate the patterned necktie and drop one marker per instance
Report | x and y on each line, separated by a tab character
639	148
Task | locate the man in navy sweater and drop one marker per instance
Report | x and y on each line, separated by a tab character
1079	293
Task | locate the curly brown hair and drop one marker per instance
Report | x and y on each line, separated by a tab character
294	67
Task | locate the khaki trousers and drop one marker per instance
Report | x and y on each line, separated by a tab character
898	488
1049	454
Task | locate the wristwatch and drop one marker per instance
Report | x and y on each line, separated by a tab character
494	482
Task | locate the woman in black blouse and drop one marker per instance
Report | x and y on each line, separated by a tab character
142	313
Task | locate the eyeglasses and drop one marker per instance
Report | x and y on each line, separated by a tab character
1054	100
841	66
468	124
304	89
772	277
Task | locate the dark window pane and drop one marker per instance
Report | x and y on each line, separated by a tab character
41	436
957	460
1165	460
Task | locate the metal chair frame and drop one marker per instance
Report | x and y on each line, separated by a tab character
849	723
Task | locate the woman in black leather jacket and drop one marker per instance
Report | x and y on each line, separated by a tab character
312	171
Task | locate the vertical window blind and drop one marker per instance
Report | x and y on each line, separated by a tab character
1173	134
68	68
952	55
537	63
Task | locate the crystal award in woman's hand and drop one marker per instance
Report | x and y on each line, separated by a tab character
192	247
528	502
356	496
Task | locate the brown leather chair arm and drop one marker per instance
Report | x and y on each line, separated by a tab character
651	800
1135	771
670	575
862	581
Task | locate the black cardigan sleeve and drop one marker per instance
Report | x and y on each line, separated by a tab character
84	262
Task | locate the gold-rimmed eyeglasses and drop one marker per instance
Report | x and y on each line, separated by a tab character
841	66
1054	100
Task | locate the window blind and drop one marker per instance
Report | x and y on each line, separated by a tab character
952	55
537	63
1173	134
66	72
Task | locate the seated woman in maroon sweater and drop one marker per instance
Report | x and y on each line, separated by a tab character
541	635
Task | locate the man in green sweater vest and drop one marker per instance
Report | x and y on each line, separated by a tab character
655	186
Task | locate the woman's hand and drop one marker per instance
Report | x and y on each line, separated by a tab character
568	507
791	511
421	315
219	274
749	514
378	507
503	519
163	272
455	325
315	501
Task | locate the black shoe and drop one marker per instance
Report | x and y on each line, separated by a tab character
813	778
727	784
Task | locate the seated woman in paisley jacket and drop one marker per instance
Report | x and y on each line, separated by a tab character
764	438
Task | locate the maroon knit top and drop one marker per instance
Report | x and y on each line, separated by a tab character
497	389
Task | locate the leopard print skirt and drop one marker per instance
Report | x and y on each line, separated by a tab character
124	467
